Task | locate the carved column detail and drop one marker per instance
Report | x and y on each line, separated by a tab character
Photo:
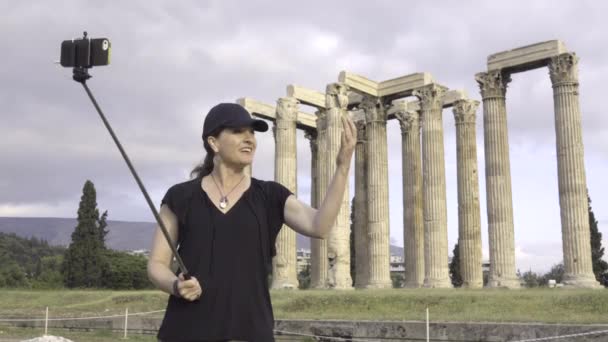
469	221
318	247
377	194
284	264
493	86
413	223
362	262
563	70
434	192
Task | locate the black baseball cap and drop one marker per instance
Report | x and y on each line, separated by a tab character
230	115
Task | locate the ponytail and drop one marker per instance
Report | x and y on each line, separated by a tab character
206	166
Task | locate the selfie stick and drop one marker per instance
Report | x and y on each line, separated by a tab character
81	75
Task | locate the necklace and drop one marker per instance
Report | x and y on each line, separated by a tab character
224	198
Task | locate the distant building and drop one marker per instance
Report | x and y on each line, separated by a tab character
396	264
143	252
302	259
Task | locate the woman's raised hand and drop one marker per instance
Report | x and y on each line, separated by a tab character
348	141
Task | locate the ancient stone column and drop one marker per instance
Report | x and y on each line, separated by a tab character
360	224
493	85
413	224
434	193
311	136
318	247
469	221
563	70
377	194
284	264
338	244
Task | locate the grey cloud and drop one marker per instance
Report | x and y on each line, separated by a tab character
173	61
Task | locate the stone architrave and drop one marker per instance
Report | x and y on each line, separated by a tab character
338	244
360	224
284	264
434	189
493	86
318	247
469	221
377	194
413	224
563	70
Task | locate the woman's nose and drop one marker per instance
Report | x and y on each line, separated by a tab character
249	136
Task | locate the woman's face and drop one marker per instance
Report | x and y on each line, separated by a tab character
235	145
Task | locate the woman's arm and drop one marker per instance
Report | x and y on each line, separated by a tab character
159	262
318	223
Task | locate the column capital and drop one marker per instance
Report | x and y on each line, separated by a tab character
465	111
493	83
373	109
321	120
409	119
564	69
311	135
431	96
361	125
287	109
336	96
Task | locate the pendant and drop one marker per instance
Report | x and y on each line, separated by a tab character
223	202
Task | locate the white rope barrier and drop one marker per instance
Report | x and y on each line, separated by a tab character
599	332
77	318
324	337
283	332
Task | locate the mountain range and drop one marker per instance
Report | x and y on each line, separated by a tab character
122	235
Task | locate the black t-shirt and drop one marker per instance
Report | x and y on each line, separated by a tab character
226	253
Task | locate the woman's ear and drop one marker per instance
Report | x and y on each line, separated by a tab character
211	140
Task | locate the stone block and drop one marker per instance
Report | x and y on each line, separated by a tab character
257	108
307	96
265	111
359	83
526	57
404	85
454	95
449	99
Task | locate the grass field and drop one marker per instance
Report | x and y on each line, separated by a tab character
537	305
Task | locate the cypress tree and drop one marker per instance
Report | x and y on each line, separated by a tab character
600	267
455	275
84	259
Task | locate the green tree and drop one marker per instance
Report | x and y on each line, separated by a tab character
84	261
102	225
304	278
50	276
125	271
531	279
600	266
398	279
13	275
556	273
455	274
21	259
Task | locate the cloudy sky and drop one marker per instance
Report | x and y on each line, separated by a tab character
172	61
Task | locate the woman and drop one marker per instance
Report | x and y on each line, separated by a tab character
225	224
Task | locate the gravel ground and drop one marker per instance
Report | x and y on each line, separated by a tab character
48	338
